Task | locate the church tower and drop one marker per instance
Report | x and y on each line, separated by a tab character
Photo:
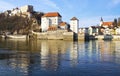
101	21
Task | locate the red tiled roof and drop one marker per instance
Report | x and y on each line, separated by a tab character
63	23
107	23
52	28
74	18
52	14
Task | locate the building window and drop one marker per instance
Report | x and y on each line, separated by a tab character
55	20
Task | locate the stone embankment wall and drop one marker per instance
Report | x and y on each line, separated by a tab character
68	36
42	36
81	37
53	35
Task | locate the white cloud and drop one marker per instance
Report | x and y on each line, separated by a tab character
5	6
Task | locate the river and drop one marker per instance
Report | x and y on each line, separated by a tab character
59	58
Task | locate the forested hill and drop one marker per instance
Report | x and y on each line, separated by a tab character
19	24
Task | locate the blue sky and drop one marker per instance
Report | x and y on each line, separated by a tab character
88	12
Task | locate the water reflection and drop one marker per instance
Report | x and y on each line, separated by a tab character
74	54
28	58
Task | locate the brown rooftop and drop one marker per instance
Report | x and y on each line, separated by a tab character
107	23
63	23
52	14
74	18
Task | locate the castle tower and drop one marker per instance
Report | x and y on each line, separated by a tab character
74	23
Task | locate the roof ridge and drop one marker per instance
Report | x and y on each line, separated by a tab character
73	18
52	14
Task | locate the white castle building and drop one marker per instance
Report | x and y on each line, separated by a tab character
26	8
50	19
74	24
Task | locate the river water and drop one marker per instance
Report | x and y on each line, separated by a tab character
59	58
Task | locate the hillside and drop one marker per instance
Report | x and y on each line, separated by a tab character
19	24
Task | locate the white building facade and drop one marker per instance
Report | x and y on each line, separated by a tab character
50	19
74	24
44	24
26	8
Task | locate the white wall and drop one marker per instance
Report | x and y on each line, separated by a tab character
63	27
81	31
90	31
118	31
54	20
74	25
49	21
44	24
26	8
101	23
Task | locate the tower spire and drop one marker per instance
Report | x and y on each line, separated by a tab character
101	19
